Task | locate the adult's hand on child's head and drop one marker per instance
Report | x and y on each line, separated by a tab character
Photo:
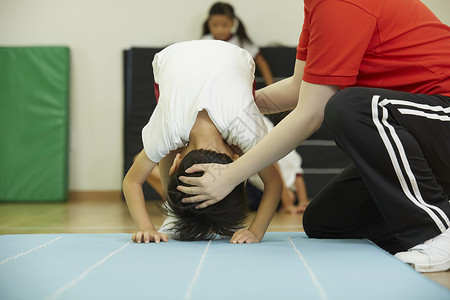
147	236
210	188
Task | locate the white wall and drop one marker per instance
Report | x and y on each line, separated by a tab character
97	31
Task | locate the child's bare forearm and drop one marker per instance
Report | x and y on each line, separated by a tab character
132	189
269	202
285	199
136	205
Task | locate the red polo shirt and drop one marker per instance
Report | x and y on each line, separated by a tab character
392	44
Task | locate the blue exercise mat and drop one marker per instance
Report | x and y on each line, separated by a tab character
285	265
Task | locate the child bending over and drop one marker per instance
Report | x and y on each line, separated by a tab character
205	113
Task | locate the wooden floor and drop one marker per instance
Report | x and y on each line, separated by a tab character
106	212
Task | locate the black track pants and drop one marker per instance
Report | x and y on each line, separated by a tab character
396	192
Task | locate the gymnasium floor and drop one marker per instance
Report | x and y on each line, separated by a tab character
105	212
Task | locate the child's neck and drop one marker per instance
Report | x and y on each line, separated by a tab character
204	135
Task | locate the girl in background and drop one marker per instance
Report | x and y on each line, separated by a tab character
219	26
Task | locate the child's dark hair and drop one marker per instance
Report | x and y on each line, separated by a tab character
223	218
221	8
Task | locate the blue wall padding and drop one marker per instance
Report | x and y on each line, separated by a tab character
107	266
34	115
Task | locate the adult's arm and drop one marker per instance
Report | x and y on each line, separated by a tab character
306	118
282	95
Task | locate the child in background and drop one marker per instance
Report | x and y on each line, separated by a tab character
219	26
205	113
294	199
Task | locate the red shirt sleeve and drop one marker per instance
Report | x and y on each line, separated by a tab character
334	39
302	48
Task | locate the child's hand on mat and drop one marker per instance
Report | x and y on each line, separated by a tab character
215	183
148	236
244	236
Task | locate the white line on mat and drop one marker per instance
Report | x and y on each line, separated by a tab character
68	285
323	295
197	272
26	252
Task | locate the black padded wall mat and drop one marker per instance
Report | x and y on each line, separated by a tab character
140	102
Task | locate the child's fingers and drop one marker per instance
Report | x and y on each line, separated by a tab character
241	240
146	237
164	237
248	238
243	236
157	238
160	237
236	236
139	237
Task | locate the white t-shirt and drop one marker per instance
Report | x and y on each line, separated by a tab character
201	75
250	47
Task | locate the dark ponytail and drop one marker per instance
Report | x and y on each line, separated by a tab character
241	33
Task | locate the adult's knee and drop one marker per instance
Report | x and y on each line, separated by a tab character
311	223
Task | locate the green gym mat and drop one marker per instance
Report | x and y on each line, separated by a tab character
34	114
